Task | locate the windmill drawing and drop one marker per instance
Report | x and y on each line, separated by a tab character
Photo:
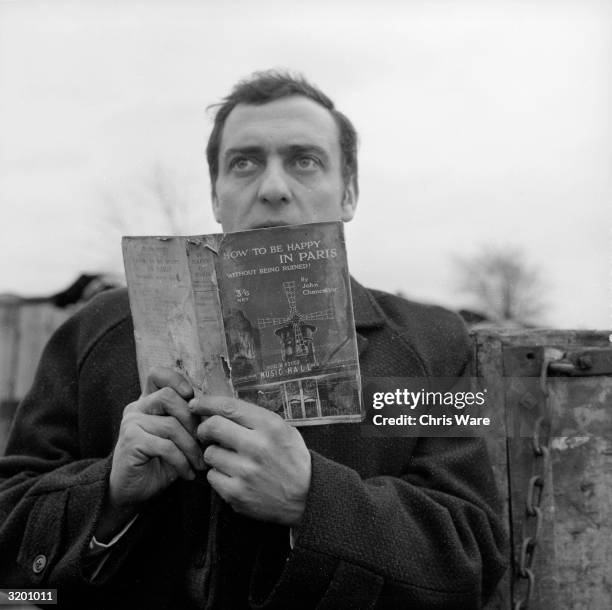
294	333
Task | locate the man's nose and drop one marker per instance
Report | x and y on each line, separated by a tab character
274	187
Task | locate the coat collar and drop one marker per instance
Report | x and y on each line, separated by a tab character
366	310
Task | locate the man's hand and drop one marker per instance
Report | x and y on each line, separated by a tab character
156	445
156	442
259	464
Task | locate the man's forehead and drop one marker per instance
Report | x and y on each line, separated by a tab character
289	120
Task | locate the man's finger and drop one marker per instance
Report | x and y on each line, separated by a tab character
226	461
166	402
162	377
217	430
164	449
169	428
239	411
225	486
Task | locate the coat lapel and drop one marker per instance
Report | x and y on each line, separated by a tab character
366	311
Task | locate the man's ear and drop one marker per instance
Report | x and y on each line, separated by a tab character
216	208
349	201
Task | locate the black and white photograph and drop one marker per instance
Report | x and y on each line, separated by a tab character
306	305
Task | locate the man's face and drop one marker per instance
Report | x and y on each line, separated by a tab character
280	163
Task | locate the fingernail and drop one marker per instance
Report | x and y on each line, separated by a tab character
186	388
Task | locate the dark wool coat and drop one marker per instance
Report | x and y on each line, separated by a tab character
389	522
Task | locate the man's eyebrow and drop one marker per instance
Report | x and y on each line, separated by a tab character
243	150
296	149
292	149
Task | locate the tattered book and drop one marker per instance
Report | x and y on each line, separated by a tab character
264	315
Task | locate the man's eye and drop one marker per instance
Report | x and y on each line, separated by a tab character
242	164
306	163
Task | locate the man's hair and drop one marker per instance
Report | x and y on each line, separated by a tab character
268	86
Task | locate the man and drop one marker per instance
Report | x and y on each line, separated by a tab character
106	495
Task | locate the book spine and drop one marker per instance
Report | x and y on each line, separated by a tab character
202	255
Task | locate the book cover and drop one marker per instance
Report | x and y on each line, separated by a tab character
264	315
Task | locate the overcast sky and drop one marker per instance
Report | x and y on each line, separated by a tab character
481	122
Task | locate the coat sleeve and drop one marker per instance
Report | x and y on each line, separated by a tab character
51	493
432	537
47	494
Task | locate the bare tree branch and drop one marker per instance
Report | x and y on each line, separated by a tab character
158	199
503	284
